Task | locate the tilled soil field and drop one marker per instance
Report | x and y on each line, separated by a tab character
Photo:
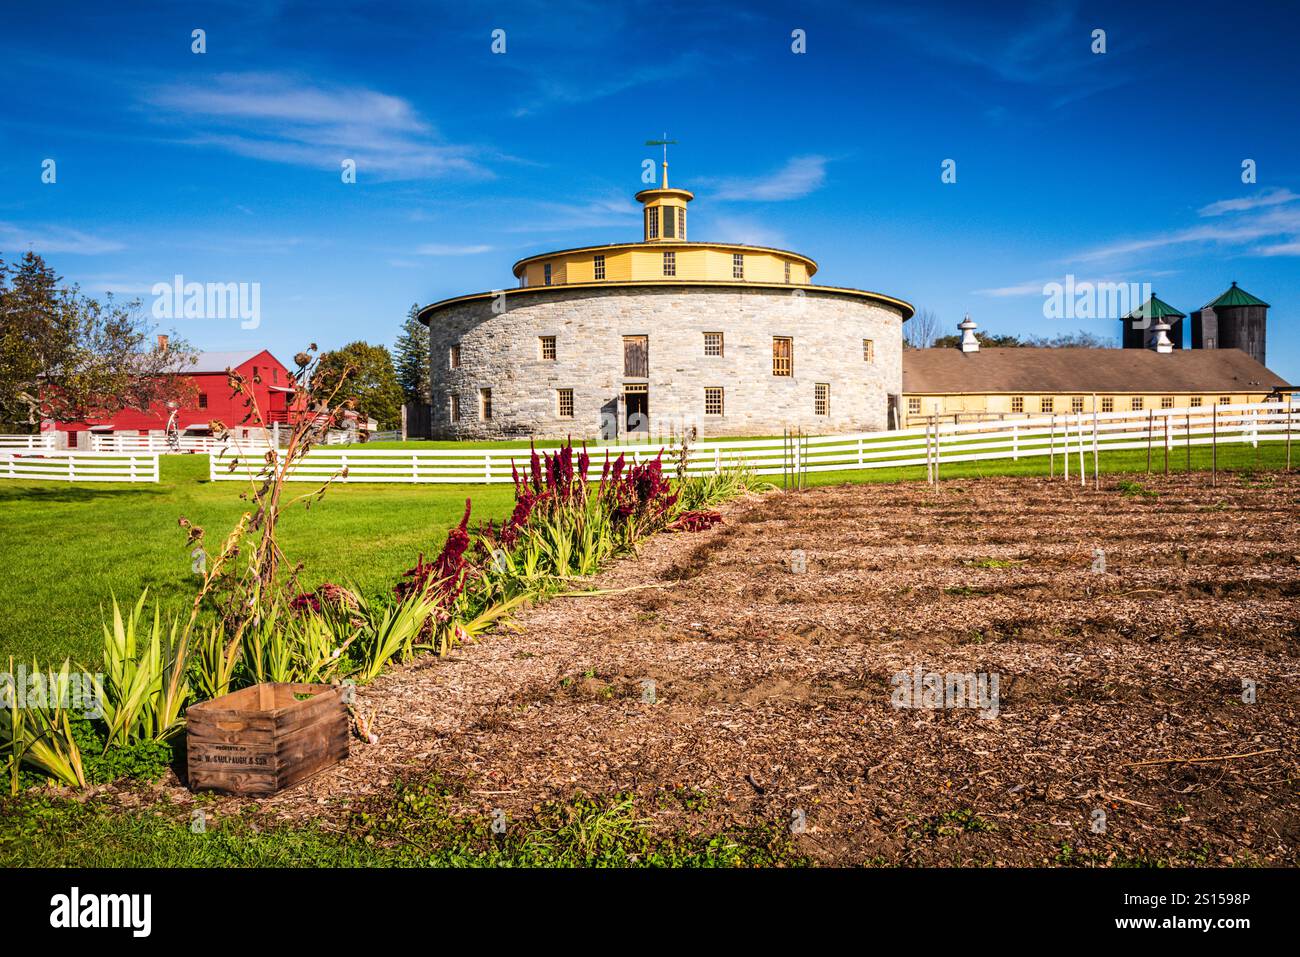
1145	710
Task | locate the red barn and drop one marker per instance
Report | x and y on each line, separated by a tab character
213	401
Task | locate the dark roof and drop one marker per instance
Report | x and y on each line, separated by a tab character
1155	308
1235	296
1083	370
221	361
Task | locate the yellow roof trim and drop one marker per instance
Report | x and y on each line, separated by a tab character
676	244
907	308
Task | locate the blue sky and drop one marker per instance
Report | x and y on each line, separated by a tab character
225	166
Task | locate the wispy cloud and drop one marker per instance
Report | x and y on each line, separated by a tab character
1034	287
800	176
1235	231
55	239
1279	249
288	119
1049	49
603	211
551	89
447	249
741	229
1268	197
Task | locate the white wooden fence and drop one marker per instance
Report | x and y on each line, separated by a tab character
44	440
1077	438
80	466
159	443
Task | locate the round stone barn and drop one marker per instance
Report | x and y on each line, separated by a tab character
664	335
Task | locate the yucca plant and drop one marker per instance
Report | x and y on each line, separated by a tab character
215	662
390	631
143	691
41	735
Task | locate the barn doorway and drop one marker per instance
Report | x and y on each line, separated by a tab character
636	401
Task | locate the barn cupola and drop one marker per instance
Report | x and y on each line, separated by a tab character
968	341
1140	326
663	218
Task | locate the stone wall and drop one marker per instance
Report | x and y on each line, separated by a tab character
503	352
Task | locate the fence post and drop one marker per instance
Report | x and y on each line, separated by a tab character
343	465
1096	454
72	474
1015	442
1165	436
1288	431
1214	446
1151	429
1083	467
415	467
862	459
1189	441
936	455
1051	450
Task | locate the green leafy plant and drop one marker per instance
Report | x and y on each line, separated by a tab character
143	690
40	735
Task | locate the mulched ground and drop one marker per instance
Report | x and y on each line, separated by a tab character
772	686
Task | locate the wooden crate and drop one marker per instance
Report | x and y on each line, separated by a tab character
265	738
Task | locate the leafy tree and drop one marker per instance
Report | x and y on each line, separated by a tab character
68	357
1065	340
987	340
369	381
412	361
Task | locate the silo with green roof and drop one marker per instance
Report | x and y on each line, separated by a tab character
1137	324
1235	320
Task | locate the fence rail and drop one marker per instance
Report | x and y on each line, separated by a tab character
44	440
159	443
80	466
1076	438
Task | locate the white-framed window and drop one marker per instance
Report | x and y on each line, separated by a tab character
1166	402
1137	404
1225	400
913	405
1046	404
787	272
868	350
713	343
546	347
822	398
681	222
1108	403
652	222
453	356
670	263
1076	403
1017	403
1196	401
598	266
713	400
564	403
737	265
546	273
485	404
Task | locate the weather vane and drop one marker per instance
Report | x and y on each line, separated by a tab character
665	143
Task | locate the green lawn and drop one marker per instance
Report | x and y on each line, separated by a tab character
65	548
